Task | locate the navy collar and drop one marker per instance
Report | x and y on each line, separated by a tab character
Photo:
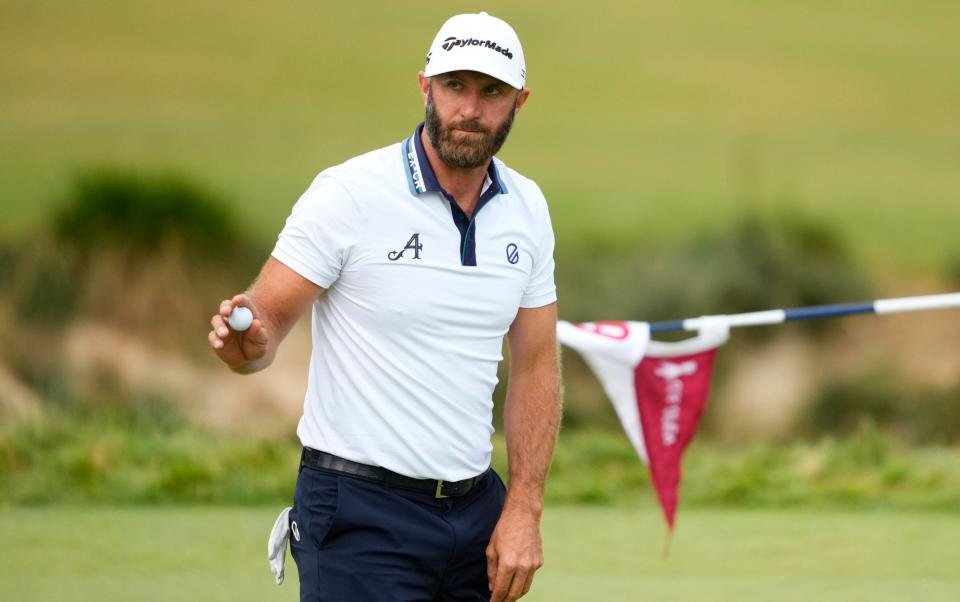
421	177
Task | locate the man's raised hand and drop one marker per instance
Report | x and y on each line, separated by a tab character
238	349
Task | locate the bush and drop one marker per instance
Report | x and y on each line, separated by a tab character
123	245
48	291
81	456
87	457
142	214
760	263
880	399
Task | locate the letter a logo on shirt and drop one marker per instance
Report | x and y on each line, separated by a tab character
412	245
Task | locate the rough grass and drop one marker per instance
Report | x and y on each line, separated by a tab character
649	121
145	457
610	555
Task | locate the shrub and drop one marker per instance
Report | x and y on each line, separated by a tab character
760	263
89	457
880	399
144	213
125	244
48	290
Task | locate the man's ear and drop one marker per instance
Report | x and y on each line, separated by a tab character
424	86
522	98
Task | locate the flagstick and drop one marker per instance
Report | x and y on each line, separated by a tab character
778	316
667	542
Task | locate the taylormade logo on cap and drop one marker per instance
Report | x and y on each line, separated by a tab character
478	42
452	42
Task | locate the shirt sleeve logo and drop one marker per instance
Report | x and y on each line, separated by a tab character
412	245
513	254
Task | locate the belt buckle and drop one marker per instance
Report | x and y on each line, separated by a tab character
439	492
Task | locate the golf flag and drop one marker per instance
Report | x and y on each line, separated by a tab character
658	390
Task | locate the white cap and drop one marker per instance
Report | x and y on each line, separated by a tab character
478	42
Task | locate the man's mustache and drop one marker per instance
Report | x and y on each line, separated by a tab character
469	126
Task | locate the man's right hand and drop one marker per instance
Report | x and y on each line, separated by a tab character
238	350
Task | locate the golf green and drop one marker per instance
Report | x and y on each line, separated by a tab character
598	554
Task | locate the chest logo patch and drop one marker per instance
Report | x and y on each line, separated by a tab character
513	253
412	245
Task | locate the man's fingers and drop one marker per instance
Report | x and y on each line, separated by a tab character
491	567
215	341
226	306
529	584
257	333
518	583
502	584
509	581
219	326
241	300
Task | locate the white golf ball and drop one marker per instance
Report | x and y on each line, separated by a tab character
240	319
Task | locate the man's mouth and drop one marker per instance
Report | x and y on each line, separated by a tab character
470	130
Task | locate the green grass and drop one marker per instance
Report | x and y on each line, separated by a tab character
608	555
92	458
649	121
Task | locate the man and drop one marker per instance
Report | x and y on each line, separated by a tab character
417	259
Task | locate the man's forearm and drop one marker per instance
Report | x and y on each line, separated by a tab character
531	421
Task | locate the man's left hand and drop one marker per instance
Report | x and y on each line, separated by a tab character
514	554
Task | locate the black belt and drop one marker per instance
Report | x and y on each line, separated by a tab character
439	489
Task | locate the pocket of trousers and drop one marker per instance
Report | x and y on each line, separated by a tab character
315	506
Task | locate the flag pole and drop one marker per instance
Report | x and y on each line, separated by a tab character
778	316
668	541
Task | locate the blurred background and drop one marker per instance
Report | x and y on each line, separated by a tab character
699	157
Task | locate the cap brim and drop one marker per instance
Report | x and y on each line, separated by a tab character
440	67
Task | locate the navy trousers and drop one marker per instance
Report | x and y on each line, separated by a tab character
358	541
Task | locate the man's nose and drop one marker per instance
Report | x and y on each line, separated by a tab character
470	106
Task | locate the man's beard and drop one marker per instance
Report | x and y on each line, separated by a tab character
464	153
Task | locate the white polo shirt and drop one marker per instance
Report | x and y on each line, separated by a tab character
407	338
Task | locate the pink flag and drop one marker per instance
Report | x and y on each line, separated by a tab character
671	395
659	390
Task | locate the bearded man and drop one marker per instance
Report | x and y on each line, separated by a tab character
417	259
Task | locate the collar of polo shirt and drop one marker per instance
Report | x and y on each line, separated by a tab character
422	179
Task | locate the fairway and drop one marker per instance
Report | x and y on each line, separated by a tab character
601	555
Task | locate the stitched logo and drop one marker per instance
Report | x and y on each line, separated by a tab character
295	530
454	42
412	245
513	253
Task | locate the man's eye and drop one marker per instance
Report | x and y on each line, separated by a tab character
454	84
494	91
